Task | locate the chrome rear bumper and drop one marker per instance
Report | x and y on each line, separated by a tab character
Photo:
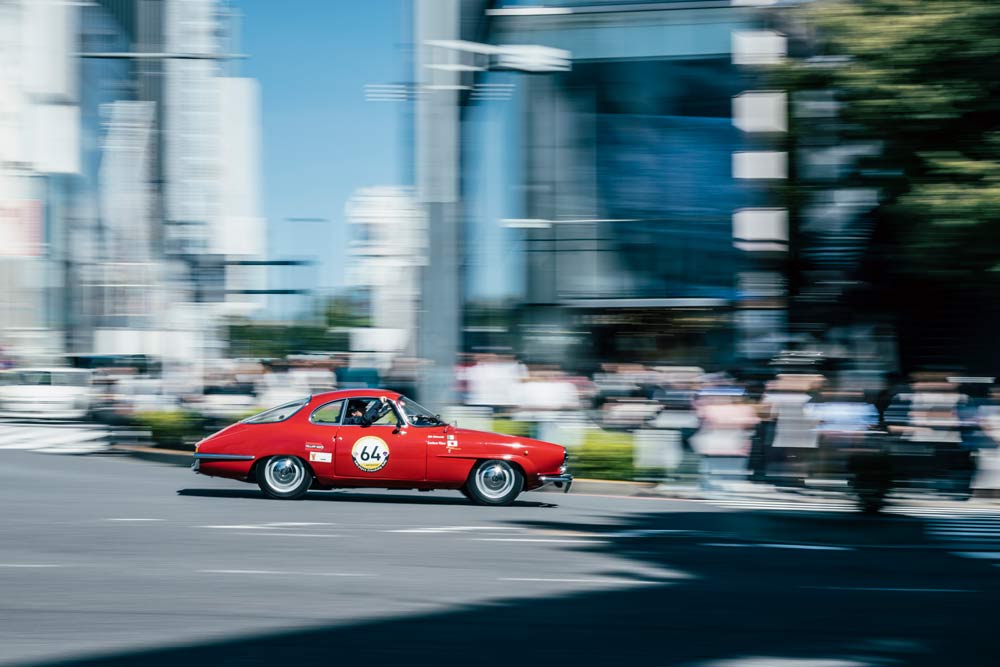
560	481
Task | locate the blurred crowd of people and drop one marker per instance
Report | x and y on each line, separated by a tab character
802	427
938	429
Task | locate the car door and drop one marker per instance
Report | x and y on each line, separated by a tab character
384	450
320	441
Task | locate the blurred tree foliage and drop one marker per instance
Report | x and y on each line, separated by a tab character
921	78
277	340
603	455
341	312
271	341
172	429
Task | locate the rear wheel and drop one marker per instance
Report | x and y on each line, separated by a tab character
494	483
284	477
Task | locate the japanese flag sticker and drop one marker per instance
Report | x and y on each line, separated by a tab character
370	453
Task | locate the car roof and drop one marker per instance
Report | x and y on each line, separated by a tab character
355	393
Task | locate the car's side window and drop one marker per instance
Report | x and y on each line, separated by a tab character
357	408
328	413
389	419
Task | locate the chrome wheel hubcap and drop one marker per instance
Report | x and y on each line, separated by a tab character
284	473
495	479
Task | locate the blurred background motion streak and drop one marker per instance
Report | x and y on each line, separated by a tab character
558	219
715	248
579	196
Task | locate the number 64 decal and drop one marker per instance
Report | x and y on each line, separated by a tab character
370	453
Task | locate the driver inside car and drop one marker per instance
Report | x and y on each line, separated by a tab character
358	414
355	414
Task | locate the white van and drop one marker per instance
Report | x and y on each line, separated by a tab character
45	393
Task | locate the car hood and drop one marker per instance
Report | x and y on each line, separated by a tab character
499	438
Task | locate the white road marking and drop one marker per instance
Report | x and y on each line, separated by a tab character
580	581
750	545
651	532
984	555
28	565
293	524
275	528
284	534
769	661
536	539
882	589
449	529
814	547
279	572
132	519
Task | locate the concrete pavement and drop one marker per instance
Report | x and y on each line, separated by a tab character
115	561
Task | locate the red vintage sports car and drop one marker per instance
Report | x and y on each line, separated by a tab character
371	438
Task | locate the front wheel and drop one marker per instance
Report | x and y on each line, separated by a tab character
494	483
284	478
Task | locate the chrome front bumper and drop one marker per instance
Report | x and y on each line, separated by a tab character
560	481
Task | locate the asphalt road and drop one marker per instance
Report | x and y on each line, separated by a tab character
112	561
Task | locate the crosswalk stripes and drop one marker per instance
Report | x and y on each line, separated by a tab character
980	530
55	438
777	504
944	510
949	523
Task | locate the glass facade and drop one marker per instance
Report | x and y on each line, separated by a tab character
620	195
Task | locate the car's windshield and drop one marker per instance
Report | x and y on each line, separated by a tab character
417	414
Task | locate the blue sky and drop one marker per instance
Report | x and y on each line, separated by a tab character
320	139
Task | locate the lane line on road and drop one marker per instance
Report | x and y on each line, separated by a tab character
284	534
449	529
983	555
881	589
536	539
653	532
580	581
280	572
132	519
754	545
297	524
811	547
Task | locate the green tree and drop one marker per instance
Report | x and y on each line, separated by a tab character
921	78
341	312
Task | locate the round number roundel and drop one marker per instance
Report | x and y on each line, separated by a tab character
370	453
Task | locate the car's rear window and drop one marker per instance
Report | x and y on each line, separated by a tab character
278	414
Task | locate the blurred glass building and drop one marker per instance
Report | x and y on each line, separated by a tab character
614	164
131	169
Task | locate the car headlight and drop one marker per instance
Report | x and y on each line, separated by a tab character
565	464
